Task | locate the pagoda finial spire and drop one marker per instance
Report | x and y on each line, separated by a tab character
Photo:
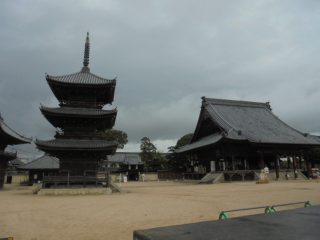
86	53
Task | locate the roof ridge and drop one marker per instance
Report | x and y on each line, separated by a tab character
243	103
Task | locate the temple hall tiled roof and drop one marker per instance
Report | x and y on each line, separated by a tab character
252	121
208	140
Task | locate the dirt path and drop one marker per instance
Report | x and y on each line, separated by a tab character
146	205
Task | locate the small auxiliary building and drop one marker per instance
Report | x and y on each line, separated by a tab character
79	119
239	137
8	137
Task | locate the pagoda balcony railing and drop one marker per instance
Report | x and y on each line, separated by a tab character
88	104
76	134
65	179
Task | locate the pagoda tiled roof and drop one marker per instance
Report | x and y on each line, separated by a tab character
76	144
93	112
84	77
11	136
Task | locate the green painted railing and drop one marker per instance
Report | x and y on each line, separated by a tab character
267	209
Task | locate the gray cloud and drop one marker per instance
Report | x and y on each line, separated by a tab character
166	55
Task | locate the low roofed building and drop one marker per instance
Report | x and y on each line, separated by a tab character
8	137
129	163
40	167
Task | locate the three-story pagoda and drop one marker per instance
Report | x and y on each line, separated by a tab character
79	119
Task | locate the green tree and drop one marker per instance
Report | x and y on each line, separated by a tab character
152	158
148	151
115	135
177	161
184	140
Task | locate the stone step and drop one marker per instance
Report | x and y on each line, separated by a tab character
212	177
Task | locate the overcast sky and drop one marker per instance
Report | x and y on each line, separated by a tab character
166	55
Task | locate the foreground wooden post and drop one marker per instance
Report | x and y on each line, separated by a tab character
308	164
261	160
277	166
294	163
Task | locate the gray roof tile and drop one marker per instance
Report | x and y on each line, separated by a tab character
82	77
43	162
211	139
129	158
255	121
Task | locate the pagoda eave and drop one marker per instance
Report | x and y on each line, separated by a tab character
78	112
82	78
76	145
65	117
76	92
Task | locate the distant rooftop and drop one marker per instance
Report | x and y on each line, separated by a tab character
129	158
43	162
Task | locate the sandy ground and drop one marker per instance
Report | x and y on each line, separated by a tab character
146	205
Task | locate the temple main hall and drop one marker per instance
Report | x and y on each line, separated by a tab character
235	140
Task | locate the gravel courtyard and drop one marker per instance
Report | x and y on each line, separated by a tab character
145	205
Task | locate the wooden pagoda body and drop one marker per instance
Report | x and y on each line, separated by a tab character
79	119
240	138
8	137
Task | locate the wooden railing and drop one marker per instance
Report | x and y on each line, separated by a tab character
67	181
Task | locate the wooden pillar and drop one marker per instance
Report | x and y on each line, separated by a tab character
288	162
300	162
233	162
261	163
294	164
68	180
308	164
276	164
